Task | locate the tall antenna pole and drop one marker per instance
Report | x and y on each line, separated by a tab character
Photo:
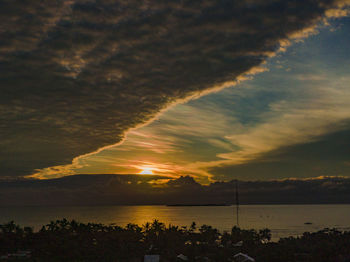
237	203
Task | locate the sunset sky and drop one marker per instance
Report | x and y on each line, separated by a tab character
219	90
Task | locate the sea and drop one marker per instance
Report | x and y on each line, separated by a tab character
282	220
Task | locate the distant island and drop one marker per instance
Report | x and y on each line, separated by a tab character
112	189
200	205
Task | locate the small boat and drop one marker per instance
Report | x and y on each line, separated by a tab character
307	223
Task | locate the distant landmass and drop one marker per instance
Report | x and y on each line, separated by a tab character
193	205
110	189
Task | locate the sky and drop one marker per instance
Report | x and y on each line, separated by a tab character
218	90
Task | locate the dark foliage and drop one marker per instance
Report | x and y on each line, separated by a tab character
65	240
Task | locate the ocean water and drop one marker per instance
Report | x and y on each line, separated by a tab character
282	220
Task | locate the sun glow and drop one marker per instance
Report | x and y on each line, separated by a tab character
146	171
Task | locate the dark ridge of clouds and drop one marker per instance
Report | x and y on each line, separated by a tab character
76	75
329	155
81	181
138	190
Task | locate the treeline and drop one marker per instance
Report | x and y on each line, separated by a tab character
64	240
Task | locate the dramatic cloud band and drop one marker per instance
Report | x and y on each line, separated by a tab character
76	75
104	189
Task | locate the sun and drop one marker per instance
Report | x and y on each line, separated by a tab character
146	172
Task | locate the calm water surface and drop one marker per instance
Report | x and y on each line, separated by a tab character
283	220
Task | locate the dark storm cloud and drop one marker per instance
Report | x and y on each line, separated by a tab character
75	75
135	190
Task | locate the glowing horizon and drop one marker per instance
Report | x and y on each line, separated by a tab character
146	172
